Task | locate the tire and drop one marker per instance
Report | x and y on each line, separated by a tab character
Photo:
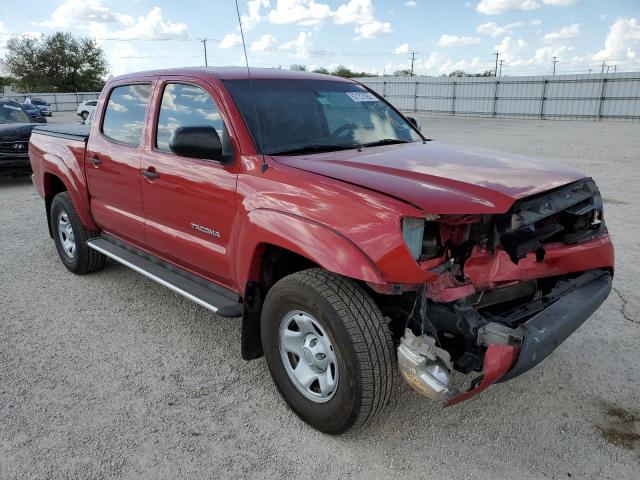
81	259
359	341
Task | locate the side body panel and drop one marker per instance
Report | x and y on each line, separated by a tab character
114	180
190	208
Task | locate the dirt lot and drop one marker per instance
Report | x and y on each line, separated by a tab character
112	376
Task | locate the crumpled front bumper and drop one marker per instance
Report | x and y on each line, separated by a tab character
542	334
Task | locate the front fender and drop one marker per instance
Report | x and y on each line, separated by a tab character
320	244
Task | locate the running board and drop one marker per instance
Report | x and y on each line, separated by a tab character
220	300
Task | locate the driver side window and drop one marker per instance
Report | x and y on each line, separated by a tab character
185	105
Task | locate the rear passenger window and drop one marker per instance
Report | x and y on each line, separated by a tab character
124	116
185	105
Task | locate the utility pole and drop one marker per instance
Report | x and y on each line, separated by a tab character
603	64
608	68
204	43
497	54
413	57
555	60
500	62
615	68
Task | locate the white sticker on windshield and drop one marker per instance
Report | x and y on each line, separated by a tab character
362	96
11	107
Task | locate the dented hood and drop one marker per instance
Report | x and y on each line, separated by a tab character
439	178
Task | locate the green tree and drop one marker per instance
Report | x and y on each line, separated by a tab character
298	68
342	71
58	62
321	70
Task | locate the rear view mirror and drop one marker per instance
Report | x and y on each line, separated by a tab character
415	122
197	142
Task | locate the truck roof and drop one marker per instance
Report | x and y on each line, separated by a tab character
232	73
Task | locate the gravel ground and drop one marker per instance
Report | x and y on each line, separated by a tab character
112	376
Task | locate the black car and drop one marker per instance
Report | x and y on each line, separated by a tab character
43	106
15	130
33	112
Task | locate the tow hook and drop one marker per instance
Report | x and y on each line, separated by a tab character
425	367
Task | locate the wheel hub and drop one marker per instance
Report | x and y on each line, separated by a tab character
308	356
67	237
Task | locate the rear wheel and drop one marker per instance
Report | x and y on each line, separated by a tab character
71	236
329	350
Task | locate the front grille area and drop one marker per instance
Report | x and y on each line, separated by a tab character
17	148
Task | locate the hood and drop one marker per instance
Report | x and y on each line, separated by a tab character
439	178
14	132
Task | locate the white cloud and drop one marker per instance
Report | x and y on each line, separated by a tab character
570	31
545	55
454	41
303	12
230	40
81	13
266	42
301	46
373	29
511	49
560	3
153	26
402	49
622	42
255	16
495	30
354	12
497	7
410	3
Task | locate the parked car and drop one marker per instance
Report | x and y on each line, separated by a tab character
15	130
311	208
86	107
33	112
43	106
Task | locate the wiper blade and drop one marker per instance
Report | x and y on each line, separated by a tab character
313	149
384	141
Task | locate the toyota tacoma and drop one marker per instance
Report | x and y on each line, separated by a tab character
351	247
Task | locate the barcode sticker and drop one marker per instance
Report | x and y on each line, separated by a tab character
362	96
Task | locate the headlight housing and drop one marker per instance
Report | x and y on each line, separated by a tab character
422	238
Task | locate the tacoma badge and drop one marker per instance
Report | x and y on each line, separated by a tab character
206	230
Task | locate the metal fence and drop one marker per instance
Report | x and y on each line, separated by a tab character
60	102
610	96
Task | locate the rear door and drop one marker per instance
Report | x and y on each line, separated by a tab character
189	203
113	162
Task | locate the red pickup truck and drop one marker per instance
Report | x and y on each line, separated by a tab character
349	244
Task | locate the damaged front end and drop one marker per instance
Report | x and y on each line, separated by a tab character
509	289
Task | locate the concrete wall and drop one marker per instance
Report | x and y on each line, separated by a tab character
613	96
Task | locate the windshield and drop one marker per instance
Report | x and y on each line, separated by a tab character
298	116
13	114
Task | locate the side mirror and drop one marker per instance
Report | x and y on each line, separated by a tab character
415	122
40	120
197	142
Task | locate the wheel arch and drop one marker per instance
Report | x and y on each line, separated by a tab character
272	245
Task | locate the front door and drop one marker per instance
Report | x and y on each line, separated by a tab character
113	162
189	203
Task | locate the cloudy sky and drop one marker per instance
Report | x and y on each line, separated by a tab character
371	35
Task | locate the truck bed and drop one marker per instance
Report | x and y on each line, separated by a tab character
72	131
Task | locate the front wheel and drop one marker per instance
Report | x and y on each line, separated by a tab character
328	349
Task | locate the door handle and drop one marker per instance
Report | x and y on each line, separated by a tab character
151	174
95	161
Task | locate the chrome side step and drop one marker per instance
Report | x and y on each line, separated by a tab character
207	294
